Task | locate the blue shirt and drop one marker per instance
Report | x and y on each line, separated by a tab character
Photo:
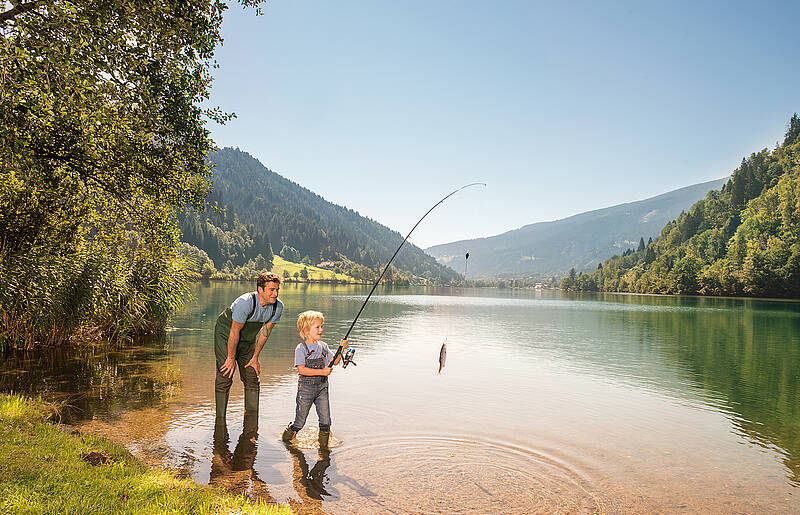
243	304
317	350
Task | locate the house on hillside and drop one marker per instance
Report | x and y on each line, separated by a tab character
327	265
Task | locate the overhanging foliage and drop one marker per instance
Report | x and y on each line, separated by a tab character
102	138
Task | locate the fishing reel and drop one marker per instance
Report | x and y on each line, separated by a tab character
347	357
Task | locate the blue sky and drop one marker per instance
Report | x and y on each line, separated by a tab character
560	108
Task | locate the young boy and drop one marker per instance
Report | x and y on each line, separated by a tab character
312	358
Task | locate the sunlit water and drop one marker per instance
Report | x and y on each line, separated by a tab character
547	403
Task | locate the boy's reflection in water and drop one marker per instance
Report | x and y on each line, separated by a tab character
310	483
235	472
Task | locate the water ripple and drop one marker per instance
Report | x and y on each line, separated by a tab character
429	473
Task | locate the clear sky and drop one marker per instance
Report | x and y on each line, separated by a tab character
560	107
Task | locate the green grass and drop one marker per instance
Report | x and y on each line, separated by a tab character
279	265
41	471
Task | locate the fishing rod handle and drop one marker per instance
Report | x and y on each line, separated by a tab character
338	352
335	355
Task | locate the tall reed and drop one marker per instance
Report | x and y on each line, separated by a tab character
110	289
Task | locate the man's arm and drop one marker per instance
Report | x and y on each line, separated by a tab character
262	339
229	366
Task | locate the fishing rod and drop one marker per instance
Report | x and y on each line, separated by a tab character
349	355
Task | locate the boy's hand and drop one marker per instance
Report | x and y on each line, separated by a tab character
228	367
343	343
327	371
255	364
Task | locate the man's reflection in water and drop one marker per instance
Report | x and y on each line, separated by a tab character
235	472
310	483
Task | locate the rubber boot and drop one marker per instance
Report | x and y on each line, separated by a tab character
324	437
288	434
222	403
250	400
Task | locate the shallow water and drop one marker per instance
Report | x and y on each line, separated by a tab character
589	404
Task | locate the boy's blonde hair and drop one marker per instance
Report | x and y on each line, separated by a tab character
305	319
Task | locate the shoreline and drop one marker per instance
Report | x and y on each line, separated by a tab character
283	280
52	468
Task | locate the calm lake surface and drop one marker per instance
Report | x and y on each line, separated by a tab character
548	402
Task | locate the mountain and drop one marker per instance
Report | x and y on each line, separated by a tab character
742	240
581	241
263	212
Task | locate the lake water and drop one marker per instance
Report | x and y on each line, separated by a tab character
548	402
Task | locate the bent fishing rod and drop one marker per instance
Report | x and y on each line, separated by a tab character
349	355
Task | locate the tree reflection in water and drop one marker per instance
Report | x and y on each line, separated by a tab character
94	381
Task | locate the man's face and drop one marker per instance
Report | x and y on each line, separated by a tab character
269	293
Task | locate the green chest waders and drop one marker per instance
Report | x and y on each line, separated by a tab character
245	349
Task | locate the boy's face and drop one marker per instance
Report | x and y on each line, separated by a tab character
314	332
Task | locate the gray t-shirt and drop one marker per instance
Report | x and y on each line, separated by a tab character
243	304
317	351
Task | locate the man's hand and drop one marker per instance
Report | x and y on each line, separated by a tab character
228	367
326	371
255	364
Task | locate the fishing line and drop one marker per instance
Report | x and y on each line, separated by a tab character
443	349
339	350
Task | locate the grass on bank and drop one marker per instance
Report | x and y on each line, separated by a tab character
279	265
41	471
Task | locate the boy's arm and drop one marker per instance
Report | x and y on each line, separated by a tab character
262	340
306	371
233	340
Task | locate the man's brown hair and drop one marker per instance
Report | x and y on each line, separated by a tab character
265	278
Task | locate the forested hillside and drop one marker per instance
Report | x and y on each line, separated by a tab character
743	240
262	213
216	240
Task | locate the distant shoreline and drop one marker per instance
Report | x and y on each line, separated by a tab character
283	280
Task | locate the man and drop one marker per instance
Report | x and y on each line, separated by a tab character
239	335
